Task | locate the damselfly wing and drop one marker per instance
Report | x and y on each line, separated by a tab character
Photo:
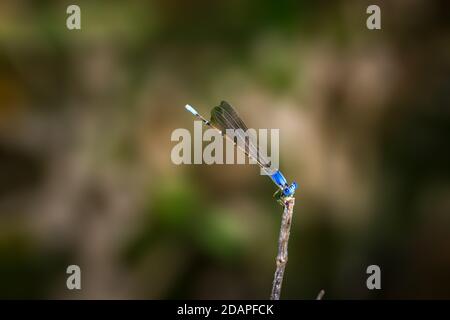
227	120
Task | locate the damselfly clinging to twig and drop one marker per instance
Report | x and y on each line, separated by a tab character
225	119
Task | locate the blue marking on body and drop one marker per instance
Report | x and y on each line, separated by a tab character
279	179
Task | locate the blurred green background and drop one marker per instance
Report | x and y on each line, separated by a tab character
85	170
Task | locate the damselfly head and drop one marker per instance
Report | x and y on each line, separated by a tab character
290	190
287	192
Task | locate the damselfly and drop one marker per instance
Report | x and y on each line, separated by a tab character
225	119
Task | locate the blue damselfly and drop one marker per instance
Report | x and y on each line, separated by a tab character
225	119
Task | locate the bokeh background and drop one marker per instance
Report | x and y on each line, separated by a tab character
85	170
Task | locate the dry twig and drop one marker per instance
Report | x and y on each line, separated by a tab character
282	256
320	295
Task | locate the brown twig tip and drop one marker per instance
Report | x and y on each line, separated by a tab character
283	239
320	295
